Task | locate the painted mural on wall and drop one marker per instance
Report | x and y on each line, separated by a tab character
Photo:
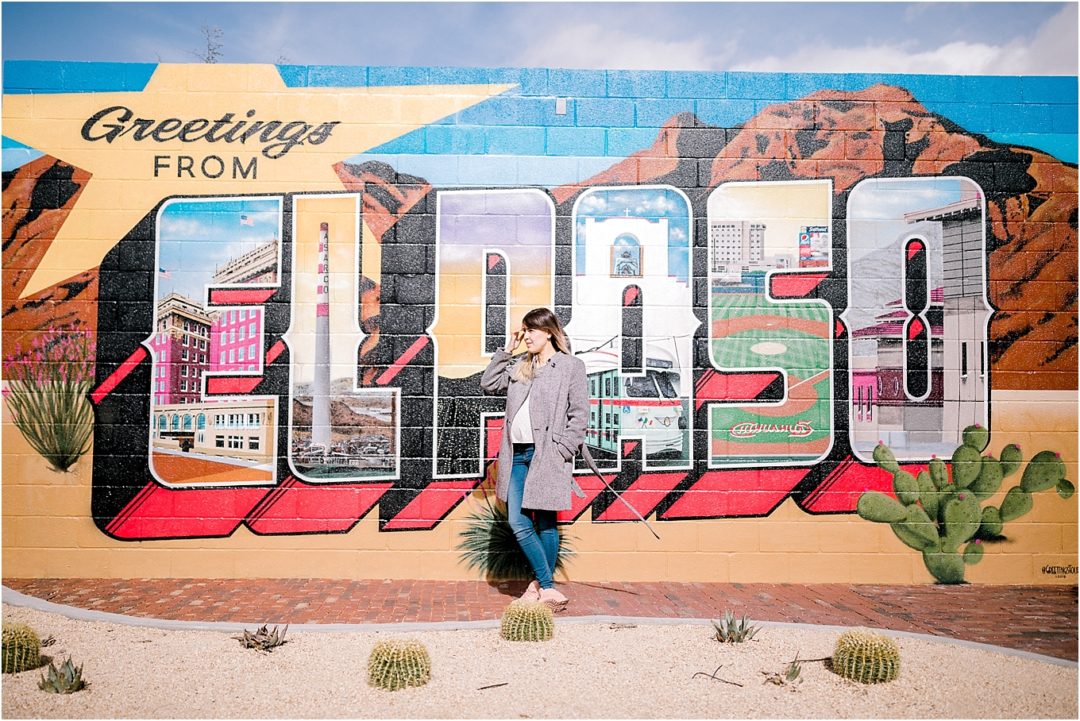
295	283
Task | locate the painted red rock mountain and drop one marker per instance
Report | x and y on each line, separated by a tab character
845	136
884	132
37	199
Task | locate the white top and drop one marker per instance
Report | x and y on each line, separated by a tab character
521	429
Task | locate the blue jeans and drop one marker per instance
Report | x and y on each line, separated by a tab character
540	542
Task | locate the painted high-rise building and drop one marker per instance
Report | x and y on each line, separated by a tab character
236	334
320	389
181	348
736	243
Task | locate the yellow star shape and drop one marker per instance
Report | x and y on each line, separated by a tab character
124	187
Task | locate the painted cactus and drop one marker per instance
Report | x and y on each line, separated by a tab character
943	517
46	393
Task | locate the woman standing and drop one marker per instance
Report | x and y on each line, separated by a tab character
547	410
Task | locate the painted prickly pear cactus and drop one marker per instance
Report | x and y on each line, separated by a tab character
944	517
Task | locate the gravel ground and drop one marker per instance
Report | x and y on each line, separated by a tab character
593	670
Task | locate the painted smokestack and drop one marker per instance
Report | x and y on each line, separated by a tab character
320	392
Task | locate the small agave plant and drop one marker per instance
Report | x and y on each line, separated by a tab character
263	639
790	677
793	671
732	630
66	679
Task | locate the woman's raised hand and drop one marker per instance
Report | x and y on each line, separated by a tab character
515	340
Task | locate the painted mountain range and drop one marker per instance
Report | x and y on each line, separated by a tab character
847	136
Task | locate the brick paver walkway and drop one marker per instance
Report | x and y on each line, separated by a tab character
1041	619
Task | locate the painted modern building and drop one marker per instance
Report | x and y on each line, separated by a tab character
966	313
880	397
736	243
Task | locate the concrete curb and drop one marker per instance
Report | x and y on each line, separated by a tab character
15	598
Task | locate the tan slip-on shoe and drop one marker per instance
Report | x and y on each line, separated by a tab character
532	592
553	598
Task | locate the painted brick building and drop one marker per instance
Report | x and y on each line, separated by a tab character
181	349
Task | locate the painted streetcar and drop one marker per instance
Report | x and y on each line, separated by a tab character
653	405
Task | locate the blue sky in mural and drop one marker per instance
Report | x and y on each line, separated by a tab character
877	209
196	237
642	202
520	139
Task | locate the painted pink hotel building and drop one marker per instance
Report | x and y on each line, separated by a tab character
234	340
191	342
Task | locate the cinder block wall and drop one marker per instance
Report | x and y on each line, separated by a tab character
766	275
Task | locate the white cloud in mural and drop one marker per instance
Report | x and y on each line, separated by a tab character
592	203
890	200
659	204
185	227
1050	50
210	229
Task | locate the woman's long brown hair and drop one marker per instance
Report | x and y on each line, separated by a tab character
541	319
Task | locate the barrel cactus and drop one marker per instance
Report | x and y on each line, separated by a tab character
21	648
943	517
397	663
866	657
527	621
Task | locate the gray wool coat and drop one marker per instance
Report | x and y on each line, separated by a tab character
559	410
